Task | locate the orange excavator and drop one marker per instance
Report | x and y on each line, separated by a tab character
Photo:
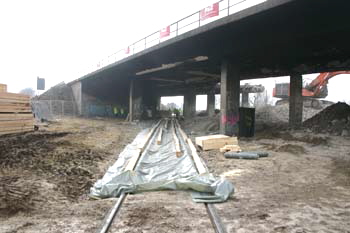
313	91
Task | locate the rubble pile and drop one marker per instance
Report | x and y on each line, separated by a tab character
334	119
280	113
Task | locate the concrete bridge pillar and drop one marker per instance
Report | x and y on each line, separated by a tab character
150	97
211	104
158	102
135	101
189	104
230	91
296	101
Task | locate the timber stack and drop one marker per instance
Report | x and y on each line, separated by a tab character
15	112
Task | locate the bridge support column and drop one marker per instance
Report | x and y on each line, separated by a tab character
296	101
135	101
150	99
158	102
211	104
230	88
189	104
245	99
78	97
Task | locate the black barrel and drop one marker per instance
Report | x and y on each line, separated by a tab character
246	122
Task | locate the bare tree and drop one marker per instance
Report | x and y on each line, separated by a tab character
28	91
262	99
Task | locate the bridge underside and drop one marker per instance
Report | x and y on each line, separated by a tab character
275	38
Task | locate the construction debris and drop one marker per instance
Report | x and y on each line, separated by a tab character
215	141
334	119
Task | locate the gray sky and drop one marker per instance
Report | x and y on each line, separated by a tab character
57	40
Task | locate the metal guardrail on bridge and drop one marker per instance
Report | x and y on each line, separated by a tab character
212	13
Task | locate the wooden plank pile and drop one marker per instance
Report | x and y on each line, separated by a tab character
15	113
215	141
3	88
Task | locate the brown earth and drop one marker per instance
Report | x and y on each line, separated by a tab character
303	186
47	174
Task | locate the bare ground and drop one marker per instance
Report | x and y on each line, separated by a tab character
303	186
300	187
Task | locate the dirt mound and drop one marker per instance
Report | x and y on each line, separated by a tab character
334	119
71	167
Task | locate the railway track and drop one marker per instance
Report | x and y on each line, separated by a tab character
180	139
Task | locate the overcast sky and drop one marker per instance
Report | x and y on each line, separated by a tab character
57	40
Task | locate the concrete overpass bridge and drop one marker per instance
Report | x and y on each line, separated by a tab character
274	38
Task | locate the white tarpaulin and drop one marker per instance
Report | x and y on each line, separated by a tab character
160	169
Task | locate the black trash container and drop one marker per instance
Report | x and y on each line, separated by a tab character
246	122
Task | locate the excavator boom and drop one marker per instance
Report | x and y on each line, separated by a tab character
315	89
320	82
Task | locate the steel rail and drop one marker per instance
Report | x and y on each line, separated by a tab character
108	220
215	218
211	210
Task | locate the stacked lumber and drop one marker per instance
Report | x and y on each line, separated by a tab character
3	88
15	113
215	141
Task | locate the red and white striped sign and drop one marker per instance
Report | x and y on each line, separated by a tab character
210	11
164	32
127	50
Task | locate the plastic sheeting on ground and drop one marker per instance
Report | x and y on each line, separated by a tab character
160	169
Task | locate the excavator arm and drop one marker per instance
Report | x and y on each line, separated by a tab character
315	88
